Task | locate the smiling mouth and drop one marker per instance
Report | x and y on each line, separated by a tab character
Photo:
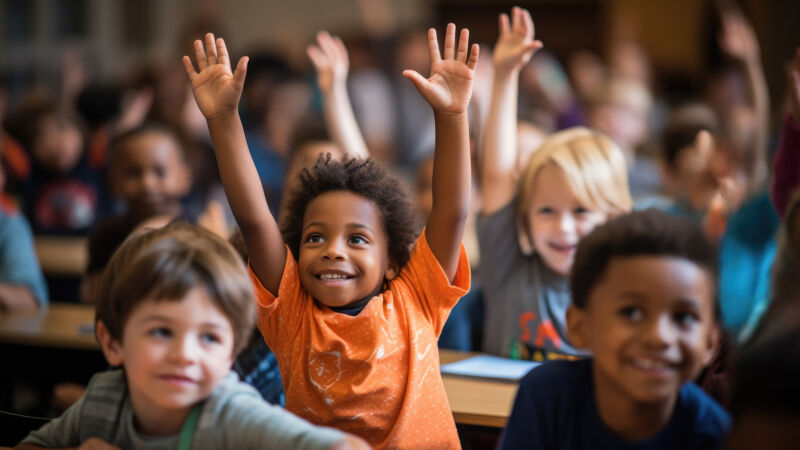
563	248
654	366
179	380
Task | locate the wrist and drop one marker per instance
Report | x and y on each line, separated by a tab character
444	117
223	120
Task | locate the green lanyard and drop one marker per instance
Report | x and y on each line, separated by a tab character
185	440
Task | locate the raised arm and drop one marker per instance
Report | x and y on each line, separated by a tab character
331	63
513	50
739	40
448	91
217	91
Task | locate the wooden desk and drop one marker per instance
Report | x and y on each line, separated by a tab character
476	401
62	325
62	255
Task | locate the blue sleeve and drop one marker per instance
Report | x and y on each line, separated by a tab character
18	263
529	425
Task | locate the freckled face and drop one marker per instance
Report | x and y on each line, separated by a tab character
344	253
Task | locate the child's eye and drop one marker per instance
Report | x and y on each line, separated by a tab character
357	239
545	210
209	338
160	172
160	332
581	210
314	238
685	318
633	313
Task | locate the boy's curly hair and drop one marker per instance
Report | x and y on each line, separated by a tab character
366	178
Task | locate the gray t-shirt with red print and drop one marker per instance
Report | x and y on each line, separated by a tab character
525	302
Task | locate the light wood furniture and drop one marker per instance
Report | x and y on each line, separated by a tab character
476	401
62	255
61	325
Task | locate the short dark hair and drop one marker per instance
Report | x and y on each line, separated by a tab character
766	377
309	130
165	264
640	233
364	177
145	128
685	122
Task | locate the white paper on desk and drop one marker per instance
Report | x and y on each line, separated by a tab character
485	366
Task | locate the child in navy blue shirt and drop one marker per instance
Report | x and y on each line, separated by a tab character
643	288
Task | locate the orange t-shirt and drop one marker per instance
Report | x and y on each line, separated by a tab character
375	374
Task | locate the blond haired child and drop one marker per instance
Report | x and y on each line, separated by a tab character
175	307
531	224
351	311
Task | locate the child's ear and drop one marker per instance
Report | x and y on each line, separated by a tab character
712	345
391	271
576	327
112	349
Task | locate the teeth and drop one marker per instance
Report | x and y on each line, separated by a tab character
332	276
650	364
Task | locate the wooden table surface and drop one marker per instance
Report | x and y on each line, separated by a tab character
61	325
476	401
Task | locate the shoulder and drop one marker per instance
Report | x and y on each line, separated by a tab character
554	382
710	420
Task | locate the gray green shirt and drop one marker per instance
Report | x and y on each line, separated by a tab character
233	417
525	301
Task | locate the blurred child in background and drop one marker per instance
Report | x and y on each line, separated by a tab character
22	286
532	224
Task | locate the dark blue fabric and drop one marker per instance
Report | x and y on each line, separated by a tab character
555	409
464	323
257	366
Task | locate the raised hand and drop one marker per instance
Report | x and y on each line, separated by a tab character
216	88
738	39
516	43
330	61
794	87
449	87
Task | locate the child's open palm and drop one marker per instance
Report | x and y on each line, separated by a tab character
216	88
330	61
449	87
516	43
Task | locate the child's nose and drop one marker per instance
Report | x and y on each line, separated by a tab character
566	222
660	332
334	250
185	350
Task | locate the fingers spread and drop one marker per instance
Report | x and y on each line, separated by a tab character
211	49
241	72
200	55
463	45
505	26
473	57
433	46
528	23
222	53
450	41
187	64
316	56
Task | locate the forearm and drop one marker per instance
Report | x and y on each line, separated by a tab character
759	100
341	122
246	197
786	166
15	298
451	189
500	142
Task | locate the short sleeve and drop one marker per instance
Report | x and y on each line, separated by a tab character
498	242
60	432
18	263
279	317
249	422
430	286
